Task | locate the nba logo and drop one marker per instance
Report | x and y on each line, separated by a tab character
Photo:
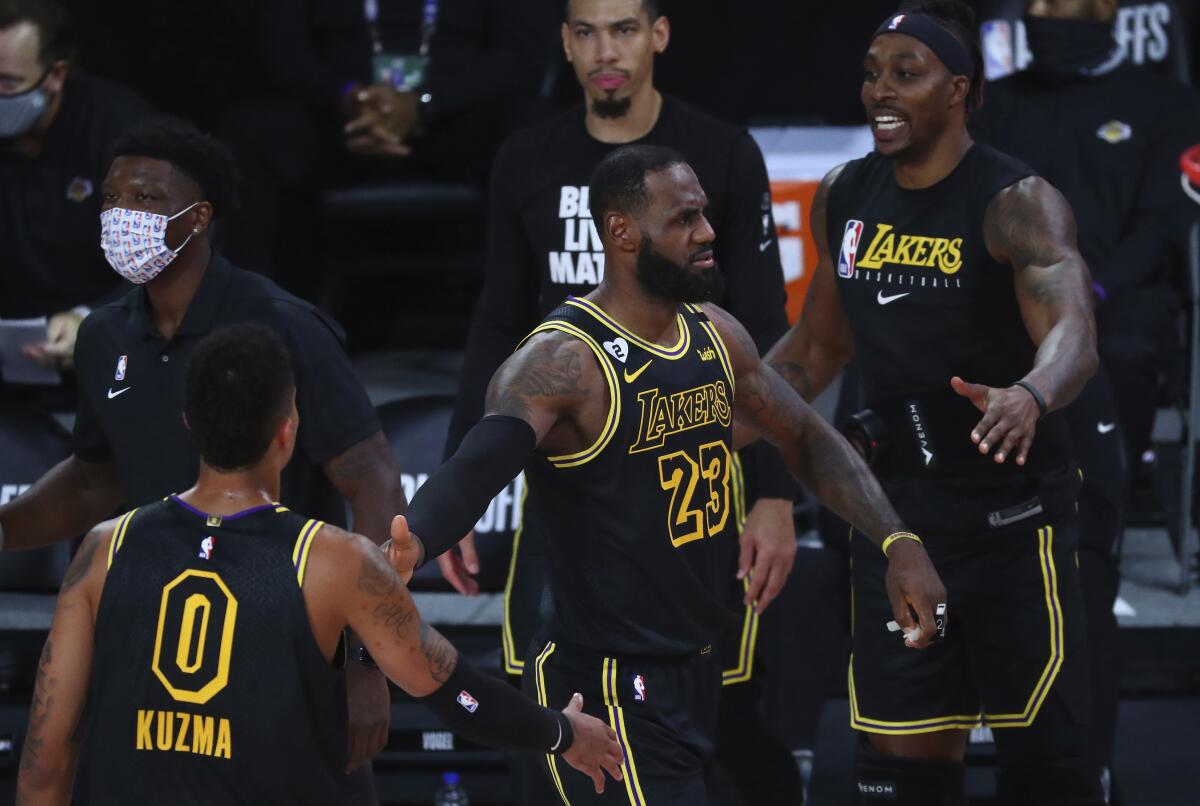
639	688
896	20
467	701
206	547
849	251
122	363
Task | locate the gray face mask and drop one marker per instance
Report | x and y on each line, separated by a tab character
19	113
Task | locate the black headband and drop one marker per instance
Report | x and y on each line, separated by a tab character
935	37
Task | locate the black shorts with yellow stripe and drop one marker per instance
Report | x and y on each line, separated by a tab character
1014	637
525	594
663	710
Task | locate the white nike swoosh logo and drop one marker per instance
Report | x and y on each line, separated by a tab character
1104	428
112	394
762	247
885	300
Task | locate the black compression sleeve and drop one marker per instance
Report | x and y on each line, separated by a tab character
487	710
458	493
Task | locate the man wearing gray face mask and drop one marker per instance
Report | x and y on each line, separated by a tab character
56	128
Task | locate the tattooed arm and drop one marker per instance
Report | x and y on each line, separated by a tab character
1030	226
813	352
367	476
826	464
57	714
548	395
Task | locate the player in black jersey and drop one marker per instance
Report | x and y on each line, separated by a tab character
197	649
957	284
619	407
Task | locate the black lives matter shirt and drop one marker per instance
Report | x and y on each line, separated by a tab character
131	388
926	301
50	258
207	685
543	245
640	520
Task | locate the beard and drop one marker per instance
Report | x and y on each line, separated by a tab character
611	108
661	277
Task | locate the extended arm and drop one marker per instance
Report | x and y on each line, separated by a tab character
367	476
820	344
58	714
533	400
72	497
826	463
1030	226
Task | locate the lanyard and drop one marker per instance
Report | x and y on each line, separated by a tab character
428	24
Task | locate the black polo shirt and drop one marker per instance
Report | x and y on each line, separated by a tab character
131	388
50	259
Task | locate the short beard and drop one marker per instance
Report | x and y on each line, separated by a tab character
663	278
611	108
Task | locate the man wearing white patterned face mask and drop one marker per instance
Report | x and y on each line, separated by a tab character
56	129
166	185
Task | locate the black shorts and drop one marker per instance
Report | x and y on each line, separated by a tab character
1015	635
525	593
664	712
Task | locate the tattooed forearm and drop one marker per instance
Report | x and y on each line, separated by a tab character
39	711
375	576
81	564
396	613
442	656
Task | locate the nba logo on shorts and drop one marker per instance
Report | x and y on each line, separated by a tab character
206	547
467	701
639	688
849	250
122	363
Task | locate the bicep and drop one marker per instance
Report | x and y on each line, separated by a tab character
545	382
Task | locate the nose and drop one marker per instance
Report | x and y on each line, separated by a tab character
704	233
607	51
880	89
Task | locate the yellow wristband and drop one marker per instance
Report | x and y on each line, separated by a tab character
892	538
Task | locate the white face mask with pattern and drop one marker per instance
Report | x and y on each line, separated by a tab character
134	242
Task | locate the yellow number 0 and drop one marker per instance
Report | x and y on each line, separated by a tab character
679	474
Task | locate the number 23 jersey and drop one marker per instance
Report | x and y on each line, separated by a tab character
635	520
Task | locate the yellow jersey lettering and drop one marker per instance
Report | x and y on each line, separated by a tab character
169	731
663	416
181	730
166	730
144	720
202	735
223	740
889	247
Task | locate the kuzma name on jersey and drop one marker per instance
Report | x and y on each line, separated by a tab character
664	415
183	733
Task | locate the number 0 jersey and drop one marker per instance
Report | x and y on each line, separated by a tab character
635	520
207	683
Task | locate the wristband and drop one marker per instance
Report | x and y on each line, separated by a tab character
894	536
1037	396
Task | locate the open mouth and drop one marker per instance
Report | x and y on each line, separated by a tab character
704	260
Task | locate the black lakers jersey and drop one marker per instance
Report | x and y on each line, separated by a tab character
635	521
926	302
207	683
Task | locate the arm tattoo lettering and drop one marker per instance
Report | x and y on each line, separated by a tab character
442	656
375	577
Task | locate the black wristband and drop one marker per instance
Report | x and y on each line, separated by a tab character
1037	396
487	710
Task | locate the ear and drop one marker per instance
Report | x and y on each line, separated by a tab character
622	232
57	76
286	432
660	32
566	38
959	87
203	216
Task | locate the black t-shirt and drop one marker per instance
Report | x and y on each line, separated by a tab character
1111	144
131	388
927	302
50	258
542	245
207	685
637	524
